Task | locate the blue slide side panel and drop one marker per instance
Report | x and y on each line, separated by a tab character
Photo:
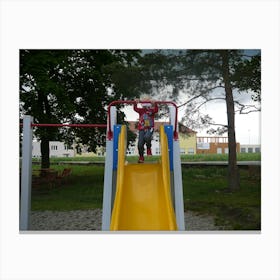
116	132
169	133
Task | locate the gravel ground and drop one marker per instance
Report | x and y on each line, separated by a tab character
91	220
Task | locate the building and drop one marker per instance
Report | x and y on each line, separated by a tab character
213	145
250	148
187	142
57	149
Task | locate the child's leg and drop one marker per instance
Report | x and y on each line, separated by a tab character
148	138
141	142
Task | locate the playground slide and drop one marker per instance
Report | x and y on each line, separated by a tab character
143	196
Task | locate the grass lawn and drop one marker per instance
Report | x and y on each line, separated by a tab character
196	157
204	192
83	190
221	157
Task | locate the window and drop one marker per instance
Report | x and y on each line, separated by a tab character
157	151
182	151
226	150
243	150
190	151
219	150
257	150
53	147
250	150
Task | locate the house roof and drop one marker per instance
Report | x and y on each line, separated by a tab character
182	129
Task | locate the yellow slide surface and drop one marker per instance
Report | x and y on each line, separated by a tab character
143	196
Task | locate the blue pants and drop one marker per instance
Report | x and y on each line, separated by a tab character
145	137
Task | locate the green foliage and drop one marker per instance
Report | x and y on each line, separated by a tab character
247	76
72	86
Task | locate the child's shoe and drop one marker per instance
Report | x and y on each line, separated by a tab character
141	159
149	152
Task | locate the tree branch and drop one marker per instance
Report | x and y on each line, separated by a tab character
218	124
209	100
197	96
244	107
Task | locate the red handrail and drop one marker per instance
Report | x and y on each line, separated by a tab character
110	133
67	125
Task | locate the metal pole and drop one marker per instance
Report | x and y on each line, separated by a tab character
178	187
108	174
26	174
178	184
96	125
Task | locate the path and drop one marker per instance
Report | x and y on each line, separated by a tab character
91	220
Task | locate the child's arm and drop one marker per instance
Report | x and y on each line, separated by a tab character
136	109
155	107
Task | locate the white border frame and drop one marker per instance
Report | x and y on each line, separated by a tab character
139	24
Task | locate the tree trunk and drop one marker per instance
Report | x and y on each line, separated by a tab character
233	172
44	118
45	152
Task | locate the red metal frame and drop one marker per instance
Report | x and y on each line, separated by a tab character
67	125
110	133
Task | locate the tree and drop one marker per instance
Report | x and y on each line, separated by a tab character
71	86
204	76
41	94
233	173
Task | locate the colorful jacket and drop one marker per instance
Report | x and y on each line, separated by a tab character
146	116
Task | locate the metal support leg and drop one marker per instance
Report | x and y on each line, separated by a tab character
178	187
178	184
107	192
26	174
108	175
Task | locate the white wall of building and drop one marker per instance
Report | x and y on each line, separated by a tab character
57	149
250	148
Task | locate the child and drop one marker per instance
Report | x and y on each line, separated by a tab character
145	127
